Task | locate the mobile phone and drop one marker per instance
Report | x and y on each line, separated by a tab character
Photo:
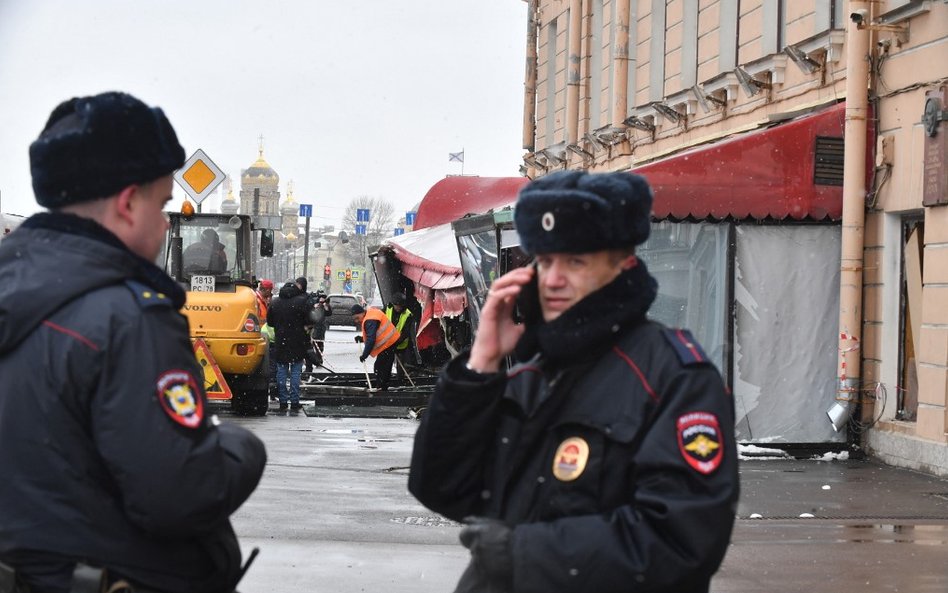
527	308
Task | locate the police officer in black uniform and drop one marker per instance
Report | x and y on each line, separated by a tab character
605	459
110	457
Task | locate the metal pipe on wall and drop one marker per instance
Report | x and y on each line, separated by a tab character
854	216
572	70
620	67
530	80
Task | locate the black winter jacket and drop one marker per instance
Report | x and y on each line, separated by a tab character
289	316
617	473
107	448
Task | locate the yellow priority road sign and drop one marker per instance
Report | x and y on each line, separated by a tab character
199	176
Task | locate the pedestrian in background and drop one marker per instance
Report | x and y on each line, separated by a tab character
379	337
110	458
404	321
319	320
264	297
605	459
288	318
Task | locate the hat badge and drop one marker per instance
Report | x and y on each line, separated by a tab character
548	221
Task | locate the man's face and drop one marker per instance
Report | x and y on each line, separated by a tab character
564	279
150	223
266	292
358	318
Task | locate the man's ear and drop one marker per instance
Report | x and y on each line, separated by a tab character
630	262
125	203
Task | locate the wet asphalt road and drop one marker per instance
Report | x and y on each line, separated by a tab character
332	514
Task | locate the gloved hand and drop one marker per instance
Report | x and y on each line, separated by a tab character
362	358
490	546
358	339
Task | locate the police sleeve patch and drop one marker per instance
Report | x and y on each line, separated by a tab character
699	440
180	399
686	347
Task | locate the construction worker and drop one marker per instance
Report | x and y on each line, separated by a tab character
379	336
401	316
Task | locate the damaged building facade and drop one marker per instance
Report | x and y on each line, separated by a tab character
797	153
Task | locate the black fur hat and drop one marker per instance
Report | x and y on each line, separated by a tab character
579	212
92	147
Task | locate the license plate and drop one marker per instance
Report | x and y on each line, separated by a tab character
202	283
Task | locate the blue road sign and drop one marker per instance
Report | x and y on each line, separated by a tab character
410	218
360	229
362	215
399	231
306	210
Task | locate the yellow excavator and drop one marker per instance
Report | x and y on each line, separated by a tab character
212	256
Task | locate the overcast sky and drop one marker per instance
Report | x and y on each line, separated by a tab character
352	97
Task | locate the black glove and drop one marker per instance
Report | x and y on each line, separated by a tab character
490	546
358	339
362	358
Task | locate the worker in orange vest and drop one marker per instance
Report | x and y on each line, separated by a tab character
380	336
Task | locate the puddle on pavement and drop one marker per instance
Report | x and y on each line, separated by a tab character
922	535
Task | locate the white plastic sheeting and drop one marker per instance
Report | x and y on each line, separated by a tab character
786	291
689	260
786	309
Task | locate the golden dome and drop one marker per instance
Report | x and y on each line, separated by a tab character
260	170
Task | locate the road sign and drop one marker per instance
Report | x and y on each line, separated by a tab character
199	176
360	229
362	215
214	384
410	218
306	210
399	231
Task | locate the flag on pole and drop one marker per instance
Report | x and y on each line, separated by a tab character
456	157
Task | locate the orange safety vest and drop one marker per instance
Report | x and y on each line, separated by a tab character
262	306
386	335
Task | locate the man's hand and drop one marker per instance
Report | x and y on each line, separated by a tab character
362	358
497	334
358	339
489	543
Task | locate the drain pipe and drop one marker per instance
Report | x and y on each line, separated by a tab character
620	66
572	70
530	80
854	219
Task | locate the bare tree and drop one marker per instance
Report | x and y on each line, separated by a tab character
381	224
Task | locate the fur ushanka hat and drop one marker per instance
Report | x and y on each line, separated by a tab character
92	147
579	212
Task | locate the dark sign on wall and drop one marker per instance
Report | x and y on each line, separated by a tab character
935	168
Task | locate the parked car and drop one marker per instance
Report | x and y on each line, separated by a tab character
341	303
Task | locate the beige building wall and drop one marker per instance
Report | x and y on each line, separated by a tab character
680	48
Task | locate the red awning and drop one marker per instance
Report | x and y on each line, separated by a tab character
429	258
767	173
453	197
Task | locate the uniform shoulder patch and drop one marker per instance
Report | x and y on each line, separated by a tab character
147	296
179	398
699	440
688	349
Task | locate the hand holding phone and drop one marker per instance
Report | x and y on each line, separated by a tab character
497	332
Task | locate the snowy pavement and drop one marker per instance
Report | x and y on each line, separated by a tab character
333	514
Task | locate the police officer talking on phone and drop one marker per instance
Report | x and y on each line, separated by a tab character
604	460
110	457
